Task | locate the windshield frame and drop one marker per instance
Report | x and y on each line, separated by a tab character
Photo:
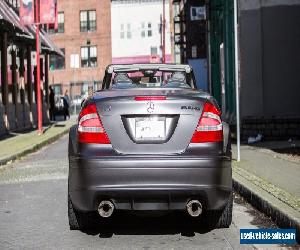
170	68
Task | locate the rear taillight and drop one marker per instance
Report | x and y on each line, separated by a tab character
209	128
90	127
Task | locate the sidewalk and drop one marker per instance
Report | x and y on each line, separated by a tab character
16	145
270	181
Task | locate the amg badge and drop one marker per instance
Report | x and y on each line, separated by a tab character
191	108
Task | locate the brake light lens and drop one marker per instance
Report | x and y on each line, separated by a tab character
150	98
90	127
209	128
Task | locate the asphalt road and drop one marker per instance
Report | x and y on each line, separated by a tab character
33	215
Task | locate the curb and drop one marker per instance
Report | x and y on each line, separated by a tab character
283	218
32	149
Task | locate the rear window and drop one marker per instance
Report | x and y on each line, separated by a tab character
150	79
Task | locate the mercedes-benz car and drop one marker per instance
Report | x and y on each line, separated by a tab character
150	141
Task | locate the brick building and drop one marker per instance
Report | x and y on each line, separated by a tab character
84	34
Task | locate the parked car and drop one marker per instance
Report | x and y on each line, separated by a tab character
150	141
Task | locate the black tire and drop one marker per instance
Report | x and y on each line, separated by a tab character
79	220
220	218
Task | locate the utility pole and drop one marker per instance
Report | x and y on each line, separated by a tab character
38	70
160	32
164	33
237	78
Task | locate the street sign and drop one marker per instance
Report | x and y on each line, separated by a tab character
47	11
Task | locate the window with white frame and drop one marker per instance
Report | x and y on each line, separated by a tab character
125	31
93	56
128	31
153	50
92	20
143	30
88	56
74	61
122	32
149	30
87	20
60	22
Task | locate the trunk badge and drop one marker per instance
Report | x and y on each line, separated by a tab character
107	109
150	107
191	108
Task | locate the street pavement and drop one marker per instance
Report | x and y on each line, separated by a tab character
18	144
33	215
270	166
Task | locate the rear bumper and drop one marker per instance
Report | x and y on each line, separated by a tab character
150	184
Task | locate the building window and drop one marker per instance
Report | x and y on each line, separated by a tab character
85	88
92	20
125	32
177	54
149	29
51	29
61	22
122	33
153	51
143	31
57	62
128	31
57	88
198	13
146	31
74	61
89	57
87	20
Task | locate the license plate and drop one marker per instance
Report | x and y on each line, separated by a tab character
150	128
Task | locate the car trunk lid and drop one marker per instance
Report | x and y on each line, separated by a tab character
150	121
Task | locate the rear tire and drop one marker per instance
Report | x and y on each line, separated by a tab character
79	220
220	218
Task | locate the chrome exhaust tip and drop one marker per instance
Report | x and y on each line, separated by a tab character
194	208
105	208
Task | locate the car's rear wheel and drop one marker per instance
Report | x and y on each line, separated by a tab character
220	218
79	220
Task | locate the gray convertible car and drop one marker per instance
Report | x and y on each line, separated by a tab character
149	141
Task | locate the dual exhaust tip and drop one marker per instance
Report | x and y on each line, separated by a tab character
106	208
194	208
